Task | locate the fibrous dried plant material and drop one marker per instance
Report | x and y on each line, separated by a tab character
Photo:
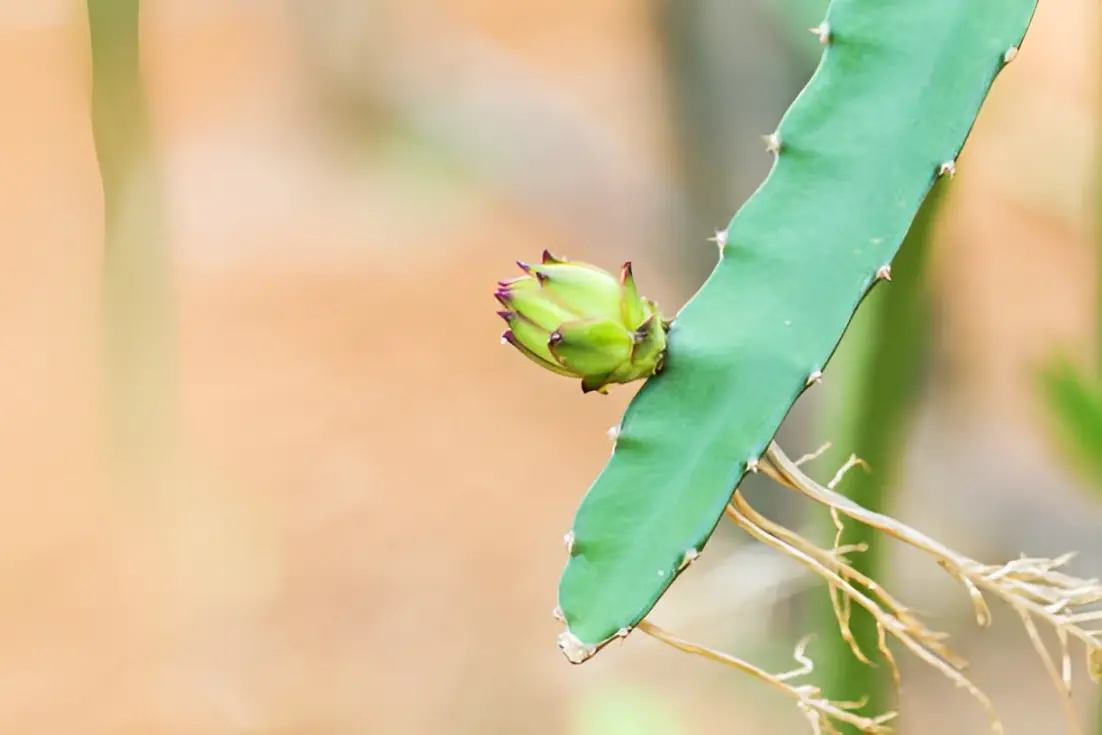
820	712
1035	588
892	619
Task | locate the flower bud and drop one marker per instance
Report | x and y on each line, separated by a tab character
580	321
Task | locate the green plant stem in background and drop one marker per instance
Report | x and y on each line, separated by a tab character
138	324
118	104
872	390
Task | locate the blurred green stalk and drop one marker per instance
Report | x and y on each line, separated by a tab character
119	119
138	324
1097	416
874	380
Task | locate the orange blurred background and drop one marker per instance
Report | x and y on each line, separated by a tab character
356	526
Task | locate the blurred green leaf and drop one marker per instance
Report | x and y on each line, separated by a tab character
1075	400
625	711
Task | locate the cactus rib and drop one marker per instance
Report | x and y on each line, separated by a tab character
885	114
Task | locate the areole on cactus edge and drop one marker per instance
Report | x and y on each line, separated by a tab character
580	321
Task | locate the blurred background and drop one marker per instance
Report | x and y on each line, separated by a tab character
314	495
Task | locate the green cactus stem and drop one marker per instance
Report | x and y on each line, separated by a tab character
886	113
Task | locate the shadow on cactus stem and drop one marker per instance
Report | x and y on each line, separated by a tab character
1036	589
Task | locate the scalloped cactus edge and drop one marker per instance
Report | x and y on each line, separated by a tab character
886	113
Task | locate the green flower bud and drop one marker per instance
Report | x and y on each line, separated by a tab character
577	320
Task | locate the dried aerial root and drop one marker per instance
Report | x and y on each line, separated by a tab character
1034	588
891	617
820	712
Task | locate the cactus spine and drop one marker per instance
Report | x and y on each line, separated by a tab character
886	113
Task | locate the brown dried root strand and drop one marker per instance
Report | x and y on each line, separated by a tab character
835	562
820	712
1033	587
841	602
916	637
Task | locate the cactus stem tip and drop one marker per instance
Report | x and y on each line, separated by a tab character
575	651
822	31
884	273
949	167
